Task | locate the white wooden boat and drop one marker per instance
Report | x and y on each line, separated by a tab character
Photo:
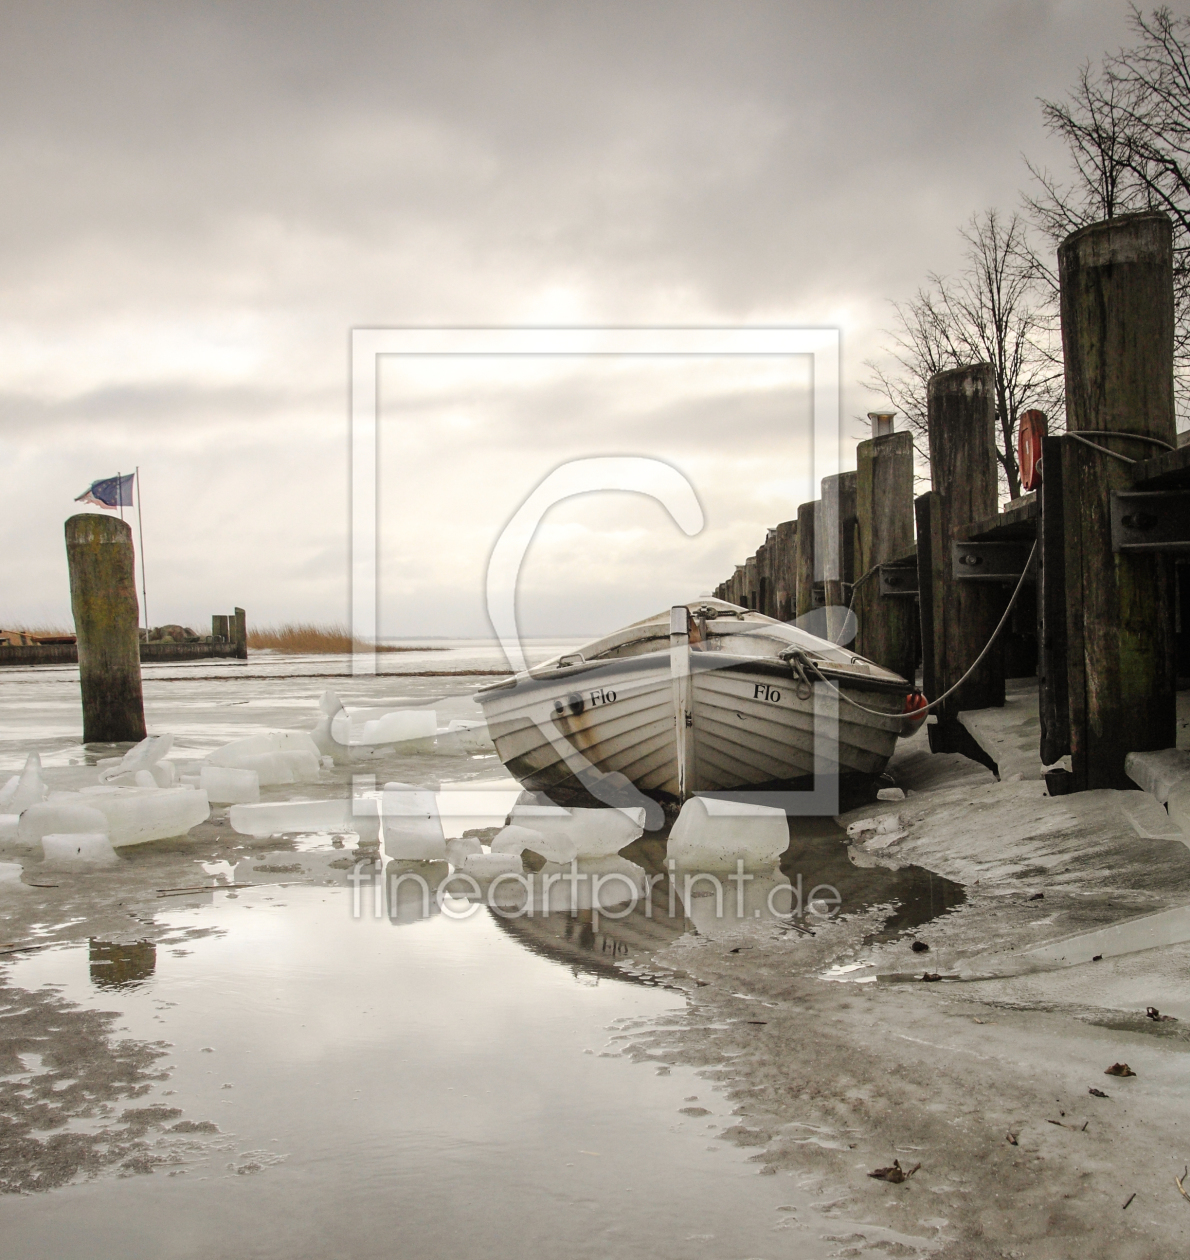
705	697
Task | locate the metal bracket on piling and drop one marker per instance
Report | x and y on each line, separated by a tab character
898	580
1150	520
989	561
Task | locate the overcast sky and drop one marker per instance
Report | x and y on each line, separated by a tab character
202	200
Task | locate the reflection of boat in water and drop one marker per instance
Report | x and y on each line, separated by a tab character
592	944
705	697
569	930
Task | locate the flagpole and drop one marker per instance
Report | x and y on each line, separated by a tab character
140	525
119	496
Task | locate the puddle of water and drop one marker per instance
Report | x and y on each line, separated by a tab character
417	1088
818	852
403	1083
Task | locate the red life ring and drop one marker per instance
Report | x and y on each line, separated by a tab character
1031	428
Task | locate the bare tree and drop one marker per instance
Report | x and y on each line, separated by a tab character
1126	126
995	310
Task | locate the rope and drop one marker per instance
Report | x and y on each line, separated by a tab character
850	603
1079	435
804	661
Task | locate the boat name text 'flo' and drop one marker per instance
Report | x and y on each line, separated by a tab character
762	691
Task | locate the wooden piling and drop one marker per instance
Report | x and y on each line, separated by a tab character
962	615
101	562
751	582
884	514
763	577
785	575
220	628
804	559
1116	282
837	544
1052	689
240	621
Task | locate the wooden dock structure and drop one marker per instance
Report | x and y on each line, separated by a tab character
1093	557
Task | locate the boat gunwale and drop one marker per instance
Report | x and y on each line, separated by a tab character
700	662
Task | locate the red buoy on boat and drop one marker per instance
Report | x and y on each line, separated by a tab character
916	710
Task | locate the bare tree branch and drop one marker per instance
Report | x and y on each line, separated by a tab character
996	310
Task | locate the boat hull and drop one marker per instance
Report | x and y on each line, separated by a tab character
750	723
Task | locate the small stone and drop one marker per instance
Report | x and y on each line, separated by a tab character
890	794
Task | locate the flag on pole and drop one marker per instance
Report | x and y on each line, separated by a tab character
111	492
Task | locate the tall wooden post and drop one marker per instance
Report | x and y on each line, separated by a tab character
961	414
1117	340
884	511
785	577
241	634
100	558
751	582
804	560
1053	707
838	545
763	577
739	585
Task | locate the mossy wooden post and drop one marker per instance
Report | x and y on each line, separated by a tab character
1053	707
838	547
241	634
1117	338
961	414
763	581
884	511
751	583
100	558
804	560
785	576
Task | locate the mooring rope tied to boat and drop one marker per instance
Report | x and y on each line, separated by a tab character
805	663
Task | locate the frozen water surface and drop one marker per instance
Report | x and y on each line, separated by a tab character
407	1086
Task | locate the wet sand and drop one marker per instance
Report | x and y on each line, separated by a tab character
841	1059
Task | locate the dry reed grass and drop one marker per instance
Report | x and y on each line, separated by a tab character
294	638
50	632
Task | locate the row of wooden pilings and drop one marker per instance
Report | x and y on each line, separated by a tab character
1101	620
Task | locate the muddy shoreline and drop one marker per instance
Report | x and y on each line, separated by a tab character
984	1083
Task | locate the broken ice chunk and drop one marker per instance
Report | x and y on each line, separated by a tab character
28	789
142	756
227	786
278	757
359	815
459	849
59	816
487	866
399	726
78	848
138	815
556	847
412	828
712	832
369	733
470	736
593	832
